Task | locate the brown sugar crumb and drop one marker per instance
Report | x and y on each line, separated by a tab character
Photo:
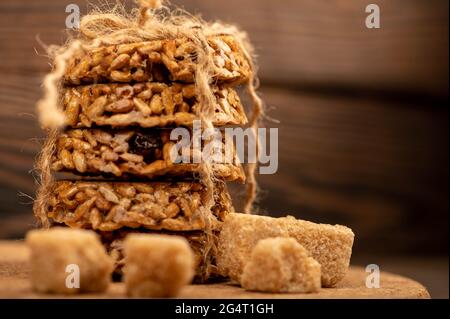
58	253
157	266
281	265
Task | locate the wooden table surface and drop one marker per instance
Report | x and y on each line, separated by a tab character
14	283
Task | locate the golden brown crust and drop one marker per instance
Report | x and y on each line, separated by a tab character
146	105
119	153
109	206
159	60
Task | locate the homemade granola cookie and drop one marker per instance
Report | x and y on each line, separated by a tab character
171	60
130	152
146	104
157	266
281	265
330	245
58	252
108	206
204	268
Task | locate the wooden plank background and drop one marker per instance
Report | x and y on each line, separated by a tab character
363	113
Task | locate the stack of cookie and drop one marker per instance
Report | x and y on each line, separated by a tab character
121	103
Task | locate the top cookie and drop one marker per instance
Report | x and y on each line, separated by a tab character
172	60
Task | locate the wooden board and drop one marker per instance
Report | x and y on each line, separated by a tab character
14	283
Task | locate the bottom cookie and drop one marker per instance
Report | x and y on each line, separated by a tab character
202	245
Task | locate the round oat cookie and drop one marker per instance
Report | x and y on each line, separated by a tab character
148	104
138	153
171	60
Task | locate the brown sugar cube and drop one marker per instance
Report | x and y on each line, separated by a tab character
205	268
68	261
330	245
281	265
157	265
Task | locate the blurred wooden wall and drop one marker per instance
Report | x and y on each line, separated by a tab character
363	113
